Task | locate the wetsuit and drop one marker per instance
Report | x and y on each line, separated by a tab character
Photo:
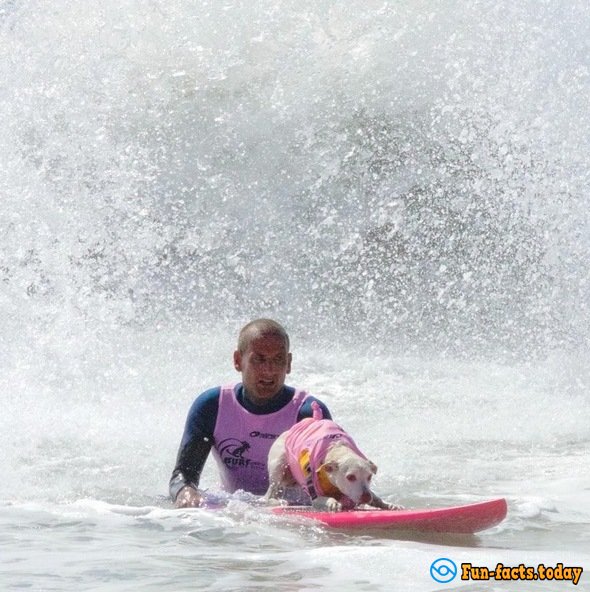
201	425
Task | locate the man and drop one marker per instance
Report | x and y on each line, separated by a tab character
240	422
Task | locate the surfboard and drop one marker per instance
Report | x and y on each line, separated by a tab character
466	519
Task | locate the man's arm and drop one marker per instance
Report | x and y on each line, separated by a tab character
187	472
194	449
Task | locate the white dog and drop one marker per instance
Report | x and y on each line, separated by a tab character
320	457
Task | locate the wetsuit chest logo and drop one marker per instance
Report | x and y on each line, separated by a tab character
234	454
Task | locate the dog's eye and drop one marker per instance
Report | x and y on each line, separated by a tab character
351	477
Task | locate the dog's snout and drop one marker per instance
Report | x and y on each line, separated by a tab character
366	497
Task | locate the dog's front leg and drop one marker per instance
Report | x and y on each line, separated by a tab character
377	502
271	497
278	473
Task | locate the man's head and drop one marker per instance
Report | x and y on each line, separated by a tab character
263	358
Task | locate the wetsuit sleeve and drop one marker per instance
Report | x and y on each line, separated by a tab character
307	411
196	442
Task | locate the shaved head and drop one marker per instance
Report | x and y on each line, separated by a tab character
261	328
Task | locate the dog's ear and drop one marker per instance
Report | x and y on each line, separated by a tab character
328	467
373	467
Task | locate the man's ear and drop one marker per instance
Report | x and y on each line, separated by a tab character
289	360
238	360
373	467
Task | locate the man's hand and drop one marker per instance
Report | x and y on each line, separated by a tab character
188	497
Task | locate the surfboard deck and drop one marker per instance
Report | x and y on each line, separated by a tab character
466	519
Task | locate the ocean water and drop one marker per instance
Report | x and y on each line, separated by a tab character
404	185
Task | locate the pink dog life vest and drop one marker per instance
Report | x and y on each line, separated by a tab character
242	440
306	446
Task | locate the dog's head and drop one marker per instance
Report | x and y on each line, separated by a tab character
351	475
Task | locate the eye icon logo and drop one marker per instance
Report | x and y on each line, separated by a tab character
443	570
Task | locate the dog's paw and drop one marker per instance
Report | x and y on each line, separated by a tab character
389	506
333	505
326	504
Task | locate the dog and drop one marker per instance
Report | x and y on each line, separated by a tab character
320	457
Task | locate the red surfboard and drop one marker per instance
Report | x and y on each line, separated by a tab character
466	519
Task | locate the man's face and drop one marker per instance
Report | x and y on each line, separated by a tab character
264	366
